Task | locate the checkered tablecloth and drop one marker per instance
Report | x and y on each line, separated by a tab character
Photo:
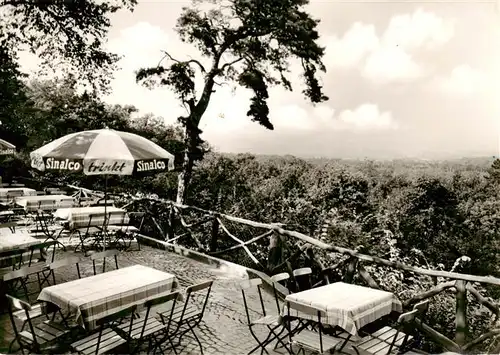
45	202
11	241
7	194
348	306
89	299
79	217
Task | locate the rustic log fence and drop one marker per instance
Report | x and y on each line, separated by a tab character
218	240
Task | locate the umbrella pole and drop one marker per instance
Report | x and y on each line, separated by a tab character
105	210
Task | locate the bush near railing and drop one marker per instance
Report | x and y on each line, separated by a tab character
462	317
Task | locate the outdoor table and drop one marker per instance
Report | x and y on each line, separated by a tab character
17	191
13	241
347	306
44	202
79	217
92	298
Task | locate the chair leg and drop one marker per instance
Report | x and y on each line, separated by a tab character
278	339
196	337
262	344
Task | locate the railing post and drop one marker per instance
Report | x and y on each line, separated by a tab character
461	315
171	223
351	270
215	235
275	253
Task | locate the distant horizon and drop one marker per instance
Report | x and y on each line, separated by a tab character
437	157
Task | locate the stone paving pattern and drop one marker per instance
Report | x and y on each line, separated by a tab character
224	329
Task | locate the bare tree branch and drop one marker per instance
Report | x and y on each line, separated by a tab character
167	55
227	65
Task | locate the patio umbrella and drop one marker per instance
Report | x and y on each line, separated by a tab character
6	148
102	152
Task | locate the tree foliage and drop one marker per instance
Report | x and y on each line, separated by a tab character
66	35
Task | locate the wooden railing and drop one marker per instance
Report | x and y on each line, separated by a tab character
210	232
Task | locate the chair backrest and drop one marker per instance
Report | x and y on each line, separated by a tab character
302	271
280	277
68	261
276	279
103	255
207	285
116	317
15	304
299	275
102	217
245	286
23	272
311	311
18	304
171	298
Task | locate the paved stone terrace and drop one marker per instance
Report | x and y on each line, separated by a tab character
224	330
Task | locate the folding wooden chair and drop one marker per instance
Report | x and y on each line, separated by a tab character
271	321
302	278
277	279
124	232
69	261
188	316
152	331
51	232
314	341
390	340
19	280
110	335
103	255
90	232
38	337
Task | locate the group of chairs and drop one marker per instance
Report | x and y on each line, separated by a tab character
166	318
99	230
314	335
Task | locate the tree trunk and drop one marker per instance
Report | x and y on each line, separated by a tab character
191	140
184	178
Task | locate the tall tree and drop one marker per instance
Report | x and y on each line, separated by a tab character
250	43
63	32
14	105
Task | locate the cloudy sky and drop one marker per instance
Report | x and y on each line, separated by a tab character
405	79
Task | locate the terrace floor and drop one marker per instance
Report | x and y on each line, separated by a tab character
224	330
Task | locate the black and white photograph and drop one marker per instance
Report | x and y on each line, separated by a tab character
237	177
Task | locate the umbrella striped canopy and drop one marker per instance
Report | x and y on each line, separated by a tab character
102	152
6	148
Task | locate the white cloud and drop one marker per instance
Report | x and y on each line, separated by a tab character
365	117
420	30
462	81
390	57
350	50
389	64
